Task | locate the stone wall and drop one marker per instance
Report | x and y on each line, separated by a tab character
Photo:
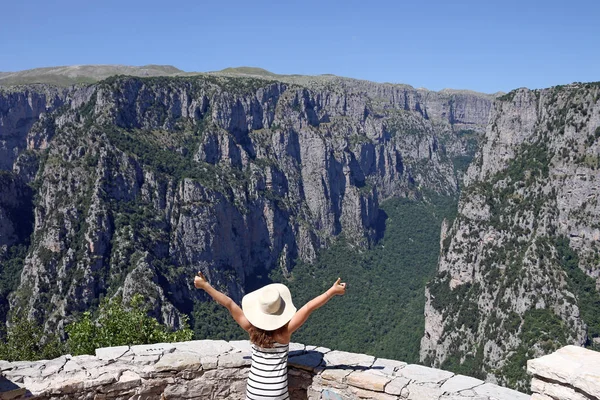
209	369
571	373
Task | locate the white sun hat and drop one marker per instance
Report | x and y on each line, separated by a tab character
269	307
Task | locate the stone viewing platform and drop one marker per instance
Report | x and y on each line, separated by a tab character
214	369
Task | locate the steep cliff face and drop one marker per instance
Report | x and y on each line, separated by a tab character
141	182
519	265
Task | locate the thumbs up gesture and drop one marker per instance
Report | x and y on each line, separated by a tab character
338	288
200	281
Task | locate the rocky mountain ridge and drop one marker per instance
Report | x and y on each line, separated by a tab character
133	184
139	182
519	266
81	74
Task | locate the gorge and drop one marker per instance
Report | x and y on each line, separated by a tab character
132	184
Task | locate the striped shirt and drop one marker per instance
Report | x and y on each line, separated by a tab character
268	373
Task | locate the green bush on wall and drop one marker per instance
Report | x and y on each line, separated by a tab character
118	324
115	324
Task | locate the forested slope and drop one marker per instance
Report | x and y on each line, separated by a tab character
134	184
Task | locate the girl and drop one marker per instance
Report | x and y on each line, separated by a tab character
269	316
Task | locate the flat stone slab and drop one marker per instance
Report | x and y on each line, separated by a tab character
241	345
386	367
157	349
111	353
337	375
209	362
297	347
460	382
556	391
499	392
423	374
571	365
204	347
53	366
320	349
179	361
396	386
335	357
367	394
423	392
367	380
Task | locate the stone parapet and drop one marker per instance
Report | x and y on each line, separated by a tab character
570	373
214	369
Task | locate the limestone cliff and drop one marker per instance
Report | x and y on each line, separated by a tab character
140	182
519	265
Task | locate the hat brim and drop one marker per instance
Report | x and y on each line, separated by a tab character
262	320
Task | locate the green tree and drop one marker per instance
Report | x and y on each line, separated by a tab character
25	340
118	324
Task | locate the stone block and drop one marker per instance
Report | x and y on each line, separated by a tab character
297	347
499	392
460	382
227	374
127	381
104	379
338	358
204	347
396	385
84	362
146	359
319	349
69	386
539	396
423	392
329	394
53	366
387	367
467	395
423	374
58	383
571	365
555	390
200	389
157	349
367	394
367	380
34	385
241	345
111	353
335	374
178	361
5	365
209	362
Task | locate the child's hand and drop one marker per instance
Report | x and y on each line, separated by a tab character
200	281
338	288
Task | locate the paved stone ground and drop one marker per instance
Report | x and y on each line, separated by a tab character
210	369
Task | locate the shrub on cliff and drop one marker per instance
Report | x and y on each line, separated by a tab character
118	324
25	340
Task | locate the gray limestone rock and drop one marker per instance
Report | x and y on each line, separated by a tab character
529	203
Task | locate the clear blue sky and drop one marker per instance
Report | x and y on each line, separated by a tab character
481	45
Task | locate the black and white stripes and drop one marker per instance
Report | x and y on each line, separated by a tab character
268	374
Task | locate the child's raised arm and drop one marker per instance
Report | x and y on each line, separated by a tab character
236	312
302	315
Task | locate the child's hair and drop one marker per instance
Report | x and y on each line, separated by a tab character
262	338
